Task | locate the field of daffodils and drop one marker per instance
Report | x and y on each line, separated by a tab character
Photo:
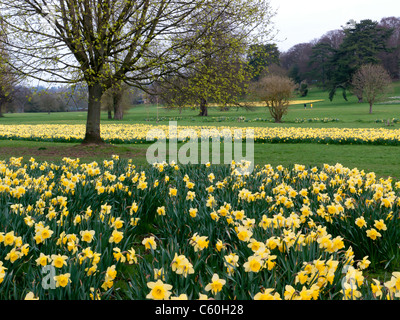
112	230
137	133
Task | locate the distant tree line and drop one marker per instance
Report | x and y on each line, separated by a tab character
225	68
332	60
41	99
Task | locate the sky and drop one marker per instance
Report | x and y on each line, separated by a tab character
299	21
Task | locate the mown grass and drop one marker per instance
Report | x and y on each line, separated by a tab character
383	160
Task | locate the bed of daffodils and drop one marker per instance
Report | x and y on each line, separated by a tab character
137	133
111	230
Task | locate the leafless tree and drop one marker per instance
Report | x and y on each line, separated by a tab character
370	82
390	59
276	91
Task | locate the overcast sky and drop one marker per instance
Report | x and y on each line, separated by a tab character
304	20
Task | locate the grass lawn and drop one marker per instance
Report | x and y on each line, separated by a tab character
383	160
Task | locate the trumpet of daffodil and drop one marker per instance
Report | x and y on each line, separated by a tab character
386	203
92	270
118	255
255	245
116	237
62	280
77	219
364	263
190	195
305	294
360	222
173	192
59	260
267	295
111	273
42	233
214	215
253	264
244	234
25	249
239	214
190	185
87	235
199	242
270	264
142	185
272	243
373	234
117	223
301	277
159	290
9	238
149	243
215	285
380	224
86	253
220	245
13	255
337	244
193	212
29	221
134	208
161	211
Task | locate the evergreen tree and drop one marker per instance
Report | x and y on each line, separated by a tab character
320	60
362	44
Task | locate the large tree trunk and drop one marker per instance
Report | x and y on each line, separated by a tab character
203	108
117	99
92	135
370	108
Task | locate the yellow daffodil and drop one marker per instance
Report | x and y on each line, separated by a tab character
149	243
215	285
159	290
